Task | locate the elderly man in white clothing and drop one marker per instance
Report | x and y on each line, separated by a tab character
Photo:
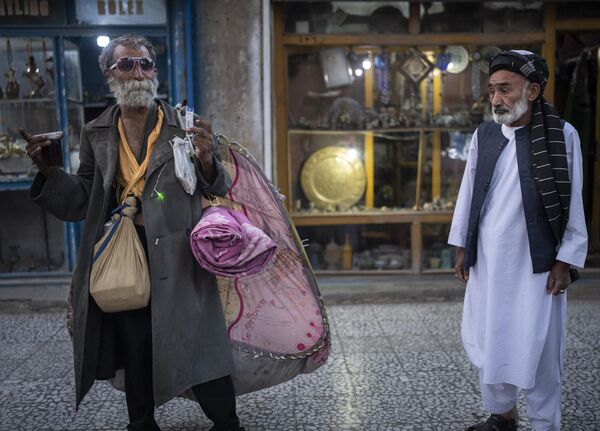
519	227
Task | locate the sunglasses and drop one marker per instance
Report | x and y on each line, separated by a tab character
127	64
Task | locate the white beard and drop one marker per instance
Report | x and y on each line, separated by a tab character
509	116
133	93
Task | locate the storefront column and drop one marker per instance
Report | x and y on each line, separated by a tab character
229	82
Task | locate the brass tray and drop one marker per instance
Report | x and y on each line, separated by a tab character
333	178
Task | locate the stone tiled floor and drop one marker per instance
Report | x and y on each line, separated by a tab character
394	367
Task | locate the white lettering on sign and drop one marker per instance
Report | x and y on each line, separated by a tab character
24	8
120	7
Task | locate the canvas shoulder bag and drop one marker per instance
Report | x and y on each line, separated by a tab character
120	279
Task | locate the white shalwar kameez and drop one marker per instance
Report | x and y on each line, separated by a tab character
512	329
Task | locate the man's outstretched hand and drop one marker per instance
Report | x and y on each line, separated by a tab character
35	144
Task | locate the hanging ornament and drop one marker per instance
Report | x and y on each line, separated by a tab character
12	87
382	63
475	76
48	62
32	73
442	60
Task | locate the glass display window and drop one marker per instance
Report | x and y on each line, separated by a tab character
39	244
27	101
405	101
362	247
477	17
394	137
437	254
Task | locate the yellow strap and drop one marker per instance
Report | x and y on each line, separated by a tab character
130	175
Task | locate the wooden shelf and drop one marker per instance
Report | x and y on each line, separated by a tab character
372	217
26	101
431	39
437	271
21	184
362	272
388	130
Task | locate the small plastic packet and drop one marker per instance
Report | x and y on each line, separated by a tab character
185	171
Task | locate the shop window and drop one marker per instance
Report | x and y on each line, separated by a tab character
377	141
358	247
347	17
437	255
38	245
487	17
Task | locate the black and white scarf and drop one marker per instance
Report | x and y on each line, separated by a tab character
550	164
547	139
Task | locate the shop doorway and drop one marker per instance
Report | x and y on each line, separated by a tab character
576	98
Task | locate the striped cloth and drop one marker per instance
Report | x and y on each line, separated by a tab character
550	164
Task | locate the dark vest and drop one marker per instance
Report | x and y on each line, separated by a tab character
491	142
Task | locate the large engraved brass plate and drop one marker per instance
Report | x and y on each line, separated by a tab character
333	178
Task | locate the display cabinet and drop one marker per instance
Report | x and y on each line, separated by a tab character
32	240
374	130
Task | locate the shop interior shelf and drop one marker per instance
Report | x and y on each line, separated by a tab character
372	217
15	185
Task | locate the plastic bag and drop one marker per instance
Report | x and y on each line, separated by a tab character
183	151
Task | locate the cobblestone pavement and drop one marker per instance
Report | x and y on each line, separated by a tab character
394	367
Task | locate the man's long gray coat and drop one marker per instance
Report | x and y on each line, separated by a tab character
189	338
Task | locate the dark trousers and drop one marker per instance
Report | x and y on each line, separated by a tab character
134	334
134	343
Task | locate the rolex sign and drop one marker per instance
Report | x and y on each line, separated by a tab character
128	12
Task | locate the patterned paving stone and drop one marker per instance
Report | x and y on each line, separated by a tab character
320	384
440	384
181	414
364	328
412	343
365	344
332	410
372	363
23	328
397	367
8	367
18	350
267	412
395	383
336	363
48	415
52	360
386	409
401	327
434	360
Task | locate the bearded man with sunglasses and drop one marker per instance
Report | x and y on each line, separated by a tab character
519	226
178	342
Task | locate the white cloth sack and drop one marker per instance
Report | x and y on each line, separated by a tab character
120	279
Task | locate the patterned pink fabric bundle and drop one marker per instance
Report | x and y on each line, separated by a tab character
226	243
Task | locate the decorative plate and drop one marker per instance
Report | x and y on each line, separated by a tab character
487	54
333	178
416	66
459	57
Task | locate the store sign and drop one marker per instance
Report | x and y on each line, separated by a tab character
25	12
131	12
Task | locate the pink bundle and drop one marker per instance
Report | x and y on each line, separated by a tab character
226	243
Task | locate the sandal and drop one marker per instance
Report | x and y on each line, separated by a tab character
497	423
